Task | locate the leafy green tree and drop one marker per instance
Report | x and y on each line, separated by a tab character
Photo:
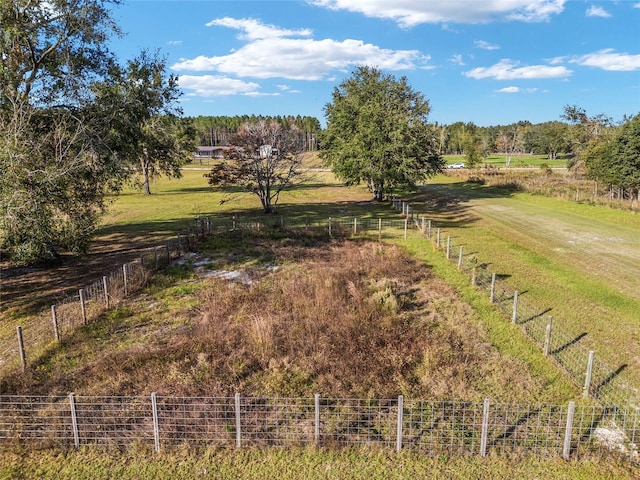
55	169
147	130
616	161
377	133
265	161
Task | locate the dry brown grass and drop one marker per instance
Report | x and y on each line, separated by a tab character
345	319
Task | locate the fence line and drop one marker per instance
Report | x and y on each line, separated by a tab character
606	383
429	427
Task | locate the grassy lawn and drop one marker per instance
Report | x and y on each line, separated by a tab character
579	260
531	238
517	161
299	463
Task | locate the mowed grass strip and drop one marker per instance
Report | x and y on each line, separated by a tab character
298	463
579	260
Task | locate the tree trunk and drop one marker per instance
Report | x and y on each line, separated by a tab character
378	190
145	177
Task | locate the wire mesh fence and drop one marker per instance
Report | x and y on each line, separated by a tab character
605	384
201	421
429	427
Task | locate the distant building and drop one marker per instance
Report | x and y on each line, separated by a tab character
211	152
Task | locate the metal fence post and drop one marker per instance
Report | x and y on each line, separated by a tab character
105	284
316	405
587	378
493	287
83	308
355	225
23	357
74	420
514	316
125	280
547	336
406	221
438	237
566	448
399	423
484	434
448	247
54	319
379	228
238	422
156	427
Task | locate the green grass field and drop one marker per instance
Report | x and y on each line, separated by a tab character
579	260
516	233
517	161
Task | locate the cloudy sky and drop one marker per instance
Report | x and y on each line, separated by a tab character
484	61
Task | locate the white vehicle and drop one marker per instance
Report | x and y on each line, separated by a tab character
456	166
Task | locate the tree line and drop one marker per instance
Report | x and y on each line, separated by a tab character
218	130
76	124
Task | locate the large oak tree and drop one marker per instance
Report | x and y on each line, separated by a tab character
377	132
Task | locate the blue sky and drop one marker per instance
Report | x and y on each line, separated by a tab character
491	62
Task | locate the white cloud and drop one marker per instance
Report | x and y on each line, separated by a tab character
270	54
508	90
254	29
457	59
594	11
517	90
486	45
174	42
508	70
215	85
608	59
409	13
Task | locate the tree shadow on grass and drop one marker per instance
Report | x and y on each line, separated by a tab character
28	291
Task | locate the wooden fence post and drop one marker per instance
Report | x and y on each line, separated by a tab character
330	228
566	448
399	423
473	276
460	258
406	221
355	225
547	336
448	247
438	237
587	378
429	229
125	280
23	357
83	308
514	316
379	228
54	319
